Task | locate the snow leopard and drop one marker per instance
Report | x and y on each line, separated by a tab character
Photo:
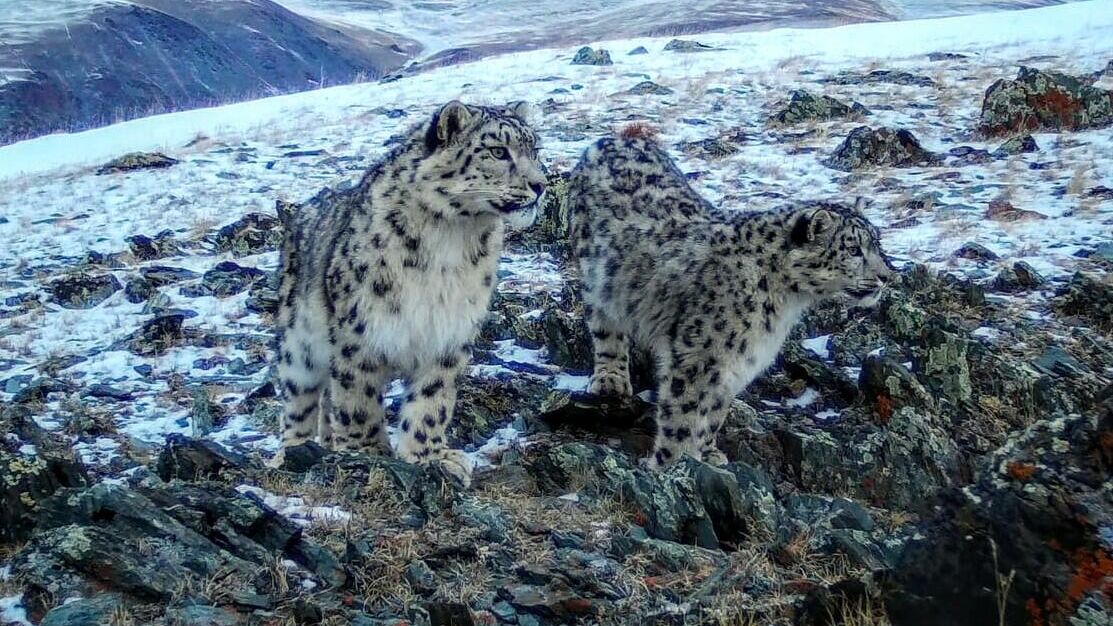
392	278
711	294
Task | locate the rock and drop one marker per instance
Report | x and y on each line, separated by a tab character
95	611
647	88
253	233
145	248
683	45
637	51
945	56
943	366
421	577
101	390
136	161
1044	101
27	480
887	386
226	279
547	602
157	335
588	56
895	77
976	252
666	556
1020	277
152	540
1003	211
139	290
713	148
567	339
1086	298
967	155
1038	516
553	224
449	614
1020	144
197	459
883	147
428	488
806	106
83	290
201	615
263	295
668	503
300	458
484	405
162	275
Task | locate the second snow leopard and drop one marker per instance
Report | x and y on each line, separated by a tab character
391	279
710	294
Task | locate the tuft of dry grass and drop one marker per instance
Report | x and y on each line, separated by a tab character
639	130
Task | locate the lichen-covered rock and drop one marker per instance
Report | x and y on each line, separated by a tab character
943	366
1020	144
882	147
1032	535
226	279
567	339
145	248
95	611
893	77
1044	101
83	290
197	459
714	148
1020	277
686	45
1087	298
550	229
805	106
647	88
976	252
34	464
888	386
157	335
588	56
486	404
668	502
253	233
136	161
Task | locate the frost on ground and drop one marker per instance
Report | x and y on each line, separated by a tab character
137	305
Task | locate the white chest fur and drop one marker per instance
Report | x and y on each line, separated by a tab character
439	306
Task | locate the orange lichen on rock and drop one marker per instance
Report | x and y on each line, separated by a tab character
1021	471
884	409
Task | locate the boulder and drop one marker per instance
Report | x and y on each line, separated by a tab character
137	161
805	106
226	279
867	147
1020	277
589	56
893	77
647	88
1030	536
253	233
1087	298
1044	101
83	290
685	45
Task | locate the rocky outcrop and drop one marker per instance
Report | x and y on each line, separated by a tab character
137	161
83	290
590	56
1044	101
1027	544
805	106
882	147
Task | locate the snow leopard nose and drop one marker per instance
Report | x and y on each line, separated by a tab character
537	188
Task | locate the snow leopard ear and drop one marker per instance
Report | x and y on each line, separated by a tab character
448	121
522	110
810	227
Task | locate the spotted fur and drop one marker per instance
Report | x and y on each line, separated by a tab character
391	279
711	294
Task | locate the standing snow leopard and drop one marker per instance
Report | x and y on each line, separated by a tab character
392	278
710	294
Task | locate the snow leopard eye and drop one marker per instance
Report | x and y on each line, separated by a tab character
499	152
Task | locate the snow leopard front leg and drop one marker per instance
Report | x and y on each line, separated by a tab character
611	375
692	403
426	413
358	378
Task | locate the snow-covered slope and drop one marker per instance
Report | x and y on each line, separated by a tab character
240	158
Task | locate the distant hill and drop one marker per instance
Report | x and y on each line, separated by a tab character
118	60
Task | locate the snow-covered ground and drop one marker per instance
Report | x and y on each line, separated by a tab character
236	160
